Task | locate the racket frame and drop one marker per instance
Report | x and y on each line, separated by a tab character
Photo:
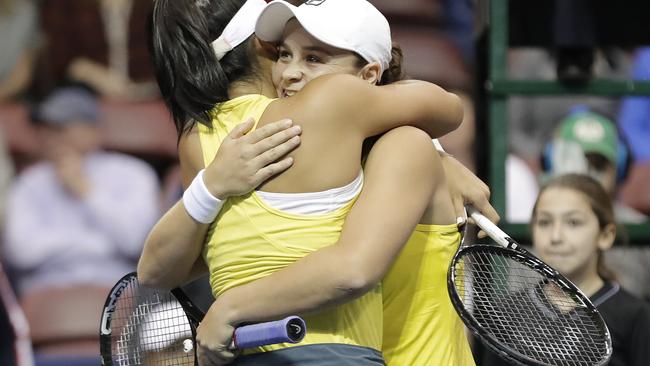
193	314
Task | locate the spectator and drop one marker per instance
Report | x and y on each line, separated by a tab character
573	226
635	126
588	142
458	25
18	32
635	111
83	213
532	119
109	52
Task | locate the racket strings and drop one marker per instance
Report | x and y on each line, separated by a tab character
519	307
150	328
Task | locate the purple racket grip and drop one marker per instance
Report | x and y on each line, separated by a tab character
288	330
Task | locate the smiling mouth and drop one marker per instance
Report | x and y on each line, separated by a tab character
558	254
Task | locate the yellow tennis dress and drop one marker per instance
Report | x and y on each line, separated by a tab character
421	326
250	240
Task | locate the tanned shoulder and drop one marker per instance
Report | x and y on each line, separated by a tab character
338	97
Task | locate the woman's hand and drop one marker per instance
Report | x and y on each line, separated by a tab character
246	160
214	336
467	189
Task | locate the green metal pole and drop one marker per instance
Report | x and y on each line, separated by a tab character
498	39
498	124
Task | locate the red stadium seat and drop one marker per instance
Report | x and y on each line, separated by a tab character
137	128
65	321
16	129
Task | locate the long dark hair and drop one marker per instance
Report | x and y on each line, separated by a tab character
191	78
600	202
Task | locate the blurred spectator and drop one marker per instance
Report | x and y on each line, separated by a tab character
587	142
458	25
18	36
634	119
101	43
80	216
532	119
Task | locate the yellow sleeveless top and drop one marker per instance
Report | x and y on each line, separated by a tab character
421	326
250	240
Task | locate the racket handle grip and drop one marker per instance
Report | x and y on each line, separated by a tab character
489	227
288	330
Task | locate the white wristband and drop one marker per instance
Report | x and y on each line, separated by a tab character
199	203
437	144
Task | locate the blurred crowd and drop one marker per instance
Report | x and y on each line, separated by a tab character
88	150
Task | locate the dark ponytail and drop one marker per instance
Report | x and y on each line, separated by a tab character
394	72
191	78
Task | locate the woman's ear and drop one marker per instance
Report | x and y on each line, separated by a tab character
371	73
268	49
607	237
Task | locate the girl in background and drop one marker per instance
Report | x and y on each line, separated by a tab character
573	225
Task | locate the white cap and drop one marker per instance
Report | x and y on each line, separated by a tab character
240	27
353	25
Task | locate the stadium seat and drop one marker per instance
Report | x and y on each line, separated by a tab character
65	321
142	129
139	128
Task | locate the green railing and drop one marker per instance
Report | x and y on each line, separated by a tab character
499	88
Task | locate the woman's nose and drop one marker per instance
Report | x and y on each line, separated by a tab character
292	73
556	234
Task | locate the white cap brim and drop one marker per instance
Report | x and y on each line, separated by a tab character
271	23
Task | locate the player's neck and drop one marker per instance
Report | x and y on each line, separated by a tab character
239	89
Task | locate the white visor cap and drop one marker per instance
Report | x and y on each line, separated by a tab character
353	25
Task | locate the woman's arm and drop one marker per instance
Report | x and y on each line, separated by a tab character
175	242
377	109
171	254
467	189
399	178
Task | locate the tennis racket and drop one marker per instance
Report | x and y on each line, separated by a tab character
144	326
521	308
